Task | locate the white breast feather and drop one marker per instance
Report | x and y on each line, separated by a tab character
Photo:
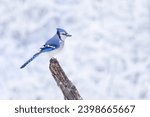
56	51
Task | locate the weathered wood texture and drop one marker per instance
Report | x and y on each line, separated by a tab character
67	87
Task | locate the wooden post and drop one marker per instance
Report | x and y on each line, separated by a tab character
67	87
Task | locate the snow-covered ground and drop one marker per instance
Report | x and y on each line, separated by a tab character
106	58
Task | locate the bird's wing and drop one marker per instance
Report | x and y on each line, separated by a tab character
45	48
49	47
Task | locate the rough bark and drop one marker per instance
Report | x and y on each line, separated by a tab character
67	87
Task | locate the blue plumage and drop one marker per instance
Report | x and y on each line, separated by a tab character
54	44
31	59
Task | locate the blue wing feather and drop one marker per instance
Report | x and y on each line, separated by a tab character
45	48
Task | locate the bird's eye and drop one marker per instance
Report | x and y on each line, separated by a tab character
63	33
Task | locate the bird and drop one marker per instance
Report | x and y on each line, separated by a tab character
53	45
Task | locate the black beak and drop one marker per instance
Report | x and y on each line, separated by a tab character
68	35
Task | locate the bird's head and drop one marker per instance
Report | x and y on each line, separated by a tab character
62	34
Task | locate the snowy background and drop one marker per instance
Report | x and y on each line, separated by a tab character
106	58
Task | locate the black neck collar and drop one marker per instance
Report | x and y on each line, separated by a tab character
59	35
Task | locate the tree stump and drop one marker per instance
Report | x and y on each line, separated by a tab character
67	87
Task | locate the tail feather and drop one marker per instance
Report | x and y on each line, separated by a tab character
33	57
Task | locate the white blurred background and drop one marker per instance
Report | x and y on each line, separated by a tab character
107	56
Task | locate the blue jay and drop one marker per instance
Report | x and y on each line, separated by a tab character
53	45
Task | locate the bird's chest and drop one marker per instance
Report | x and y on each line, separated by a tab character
54	52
